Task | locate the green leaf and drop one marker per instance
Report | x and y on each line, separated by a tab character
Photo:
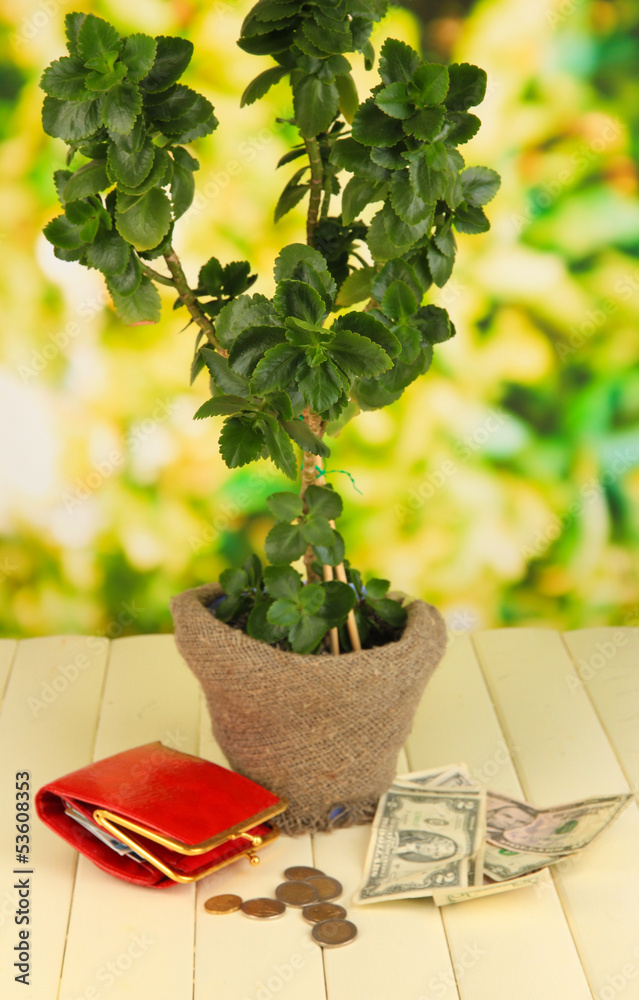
348	99
284	543
138	55
339	600
307	634
62	233
364	323
377	589
324	501
276	370
147	221
428	170
372	396
356	287
400	232
374	128
109	253
460	127
234	581
435	324
249	347
354	157
429	84
321	386
70	120
72	24
409	206
142	307
101	82
305	438
224	377
282	581
312	597
480	185
172	57
65	78
289	198
379	243
399	302
358	193
98	43
180	108
240	443
397	61
298	300
441	267
128	281
121	106
470	219
315	103
284	507
467	86
394	101
262	84
182	190
243	312
211	277
425	124
223	406
389	611
358	355
279	446
130	166
284	613
334	555
155	177
89	179
398	269
258	626
280	403
317	531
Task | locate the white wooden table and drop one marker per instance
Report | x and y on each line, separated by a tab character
534	713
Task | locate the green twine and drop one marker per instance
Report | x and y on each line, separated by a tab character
327	472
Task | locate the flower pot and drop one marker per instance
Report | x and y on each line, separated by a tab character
322	731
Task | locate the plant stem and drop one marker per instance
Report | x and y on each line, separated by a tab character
162	279
188	297
316	185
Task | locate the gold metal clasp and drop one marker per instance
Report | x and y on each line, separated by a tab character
256	841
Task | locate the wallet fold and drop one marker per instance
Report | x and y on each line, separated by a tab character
173	817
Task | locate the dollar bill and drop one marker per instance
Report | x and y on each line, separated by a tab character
422	839
442	897
518	826
500	863
452	776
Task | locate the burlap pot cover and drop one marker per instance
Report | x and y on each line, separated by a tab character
323	731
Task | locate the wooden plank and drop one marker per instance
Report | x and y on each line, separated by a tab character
237	957
517	944
562	755
47	727
606	661
125	940
8	649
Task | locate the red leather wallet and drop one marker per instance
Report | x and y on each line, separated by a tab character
155	816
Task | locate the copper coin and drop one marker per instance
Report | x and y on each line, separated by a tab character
334	933
317	912
300	872
263	908
326	887
296	893
228	902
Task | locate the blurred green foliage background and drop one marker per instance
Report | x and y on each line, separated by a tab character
503	486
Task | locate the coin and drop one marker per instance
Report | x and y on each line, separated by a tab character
316	912
263	908
226	903
296	893
334	933
325	886
299	872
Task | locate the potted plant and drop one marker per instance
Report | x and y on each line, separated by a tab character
311	684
